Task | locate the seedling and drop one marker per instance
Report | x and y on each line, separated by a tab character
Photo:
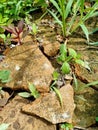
33	92
77	12
67	126
69	56
54	88
16	32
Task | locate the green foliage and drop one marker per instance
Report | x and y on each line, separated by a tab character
4	126
66	126
90	84
4	76
33	29
69	56
5	38
56	90
33	92
55	75
76	12
18	9
65	68
96	119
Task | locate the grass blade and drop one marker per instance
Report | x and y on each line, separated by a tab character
90	84
93	43
85	30
68	8
58	94
56	18
91	11
56	5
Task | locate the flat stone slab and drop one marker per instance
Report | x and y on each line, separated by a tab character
48	107
11	114
28	64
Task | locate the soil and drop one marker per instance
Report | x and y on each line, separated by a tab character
47	33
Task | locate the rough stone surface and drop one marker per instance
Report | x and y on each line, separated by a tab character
86	100
51	48
48	107
12	115
28	64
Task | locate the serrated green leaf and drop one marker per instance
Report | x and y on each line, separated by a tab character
65	68
24	94
72	52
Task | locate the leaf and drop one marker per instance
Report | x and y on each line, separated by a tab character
83	63
24	94
85	30
96	119
58	94
3	36
4	76
4	126
80	62
72	52
86	65
55	75
65	68
75	81
63	49
34	28
33	90
55	17
61	58
93	43
68	8
91	11
90	84
57	6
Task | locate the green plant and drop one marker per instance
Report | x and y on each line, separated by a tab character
67	126
5	38
68	57
55	89
33	29
4	76
97	119
15	31
33	92
72	14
